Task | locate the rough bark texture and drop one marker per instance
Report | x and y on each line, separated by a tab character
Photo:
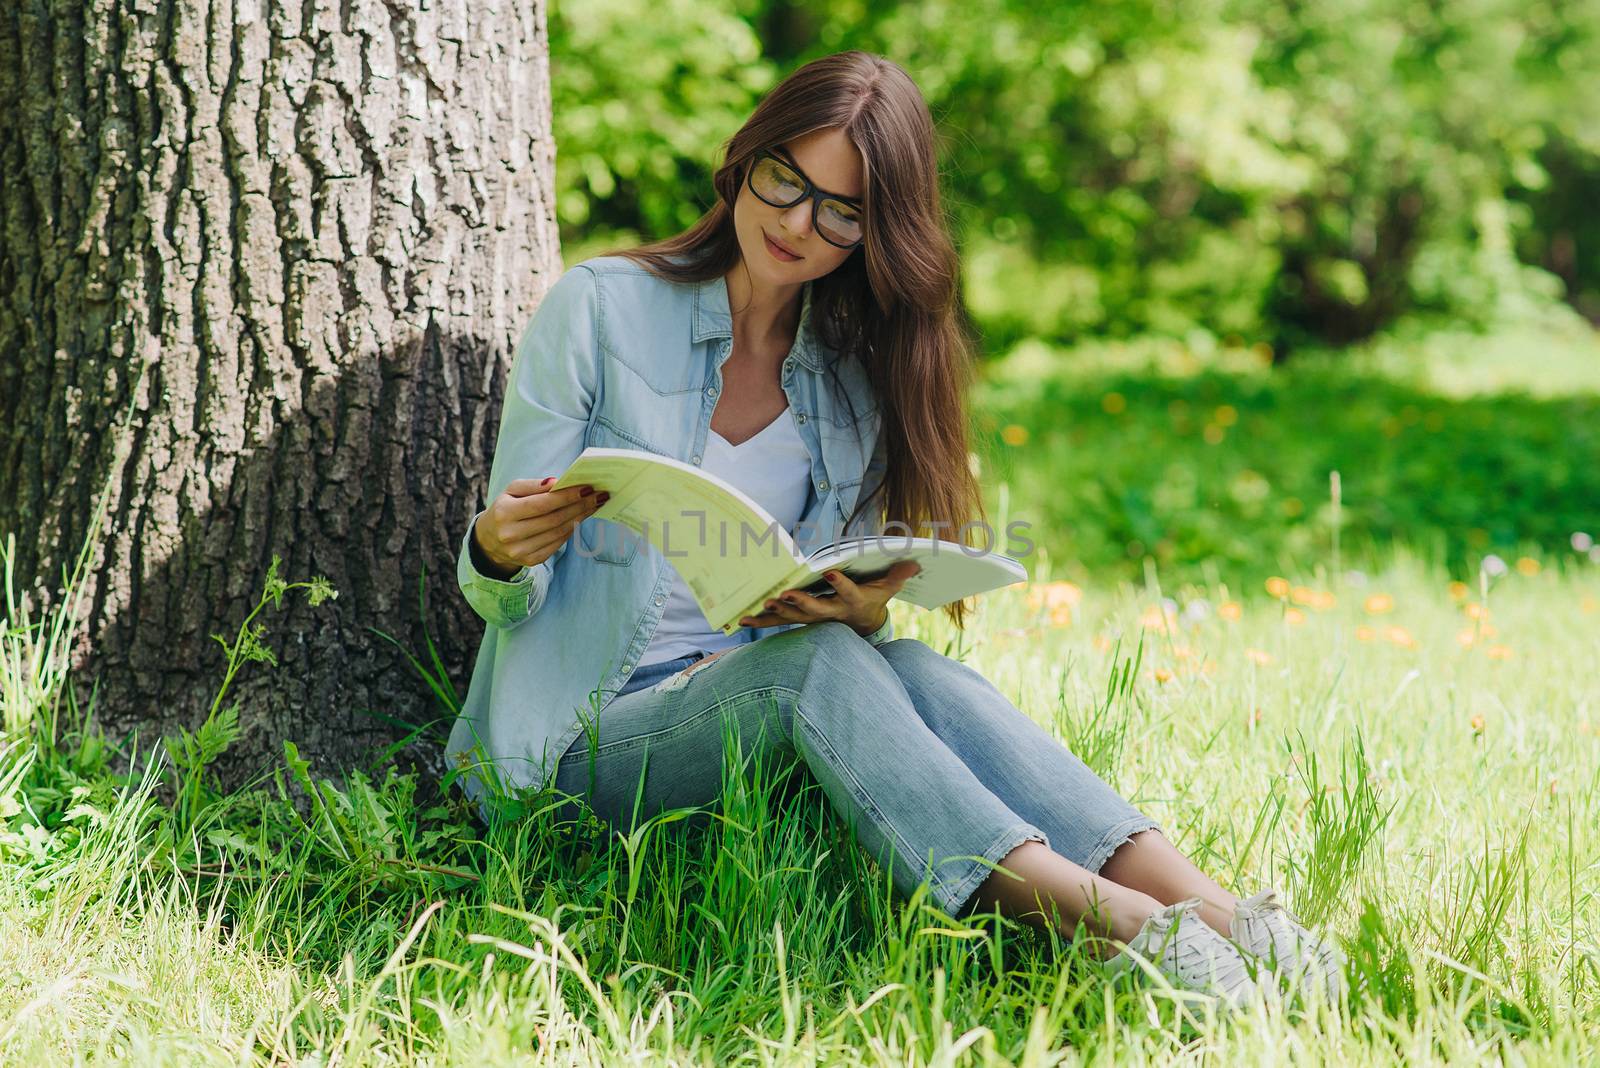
317	228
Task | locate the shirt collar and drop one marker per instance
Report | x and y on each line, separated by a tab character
712	318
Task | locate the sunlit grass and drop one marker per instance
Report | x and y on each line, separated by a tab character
1430	800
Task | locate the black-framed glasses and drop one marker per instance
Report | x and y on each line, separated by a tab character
836	219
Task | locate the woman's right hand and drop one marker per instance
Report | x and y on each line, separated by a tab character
527	523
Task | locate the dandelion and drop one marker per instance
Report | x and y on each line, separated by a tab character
1302	595
1230	610
1498	652
1014	434
1293	616
1114	403
1182	652
1477	722
1493	566
1365	634
1278	586
1102	643
1401	637
1163	675
1377	604
1527	565
1474	610
1581	542
1325	600
1466	637
1260	656
1459	590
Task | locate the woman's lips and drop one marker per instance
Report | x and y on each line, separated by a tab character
778	251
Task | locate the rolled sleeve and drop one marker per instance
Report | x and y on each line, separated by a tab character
554	378
501	602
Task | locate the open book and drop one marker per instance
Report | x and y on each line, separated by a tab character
734	555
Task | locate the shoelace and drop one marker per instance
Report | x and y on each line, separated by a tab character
1296	949
1200	957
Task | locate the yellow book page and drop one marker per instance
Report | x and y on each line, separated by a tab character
728	549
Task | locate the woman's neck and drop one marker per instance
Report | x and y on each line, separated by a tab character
765	317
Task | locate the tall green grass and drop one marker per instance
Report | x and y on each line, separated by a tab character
1412	763
1426	800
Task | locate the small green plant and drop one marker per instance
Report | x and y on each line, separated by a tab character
192	752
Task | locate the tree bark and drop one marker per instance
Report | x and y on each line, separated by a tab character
317	228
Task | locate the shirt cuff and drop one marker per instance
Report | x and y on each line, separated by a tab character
503	602
884	633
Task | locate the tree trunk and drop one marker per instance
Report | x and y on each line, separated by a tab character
318	229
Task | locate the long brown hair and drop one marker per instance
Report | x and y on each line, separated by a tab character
912	337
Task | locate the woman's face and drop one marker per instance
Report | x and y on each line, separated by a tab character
833	163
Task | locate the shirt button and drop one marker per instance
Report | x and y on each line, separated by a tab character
627	667
823	485
711	391
788	365
661	600
695	457
800	417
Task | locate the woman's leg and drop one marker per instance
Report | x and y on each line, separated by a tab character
823	692
1089	825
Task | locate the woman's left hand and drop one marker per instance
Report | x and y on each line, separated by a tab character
861	605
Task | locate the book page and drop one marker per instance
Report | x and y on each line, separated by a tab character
950	572
728	549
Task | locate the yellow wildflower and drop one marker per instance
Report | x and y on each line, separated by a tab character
1278	586
1014	434
1459	590
1400	636
1378	603
1498	652
1260	656
1527	565
1302	595
1294	616
1230	610
1365	634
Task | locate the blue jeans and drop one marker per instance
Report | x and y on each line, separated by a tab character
929	764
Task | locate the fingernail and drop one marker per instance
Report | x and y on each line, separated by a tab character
604	497
832	576
547	481
586	491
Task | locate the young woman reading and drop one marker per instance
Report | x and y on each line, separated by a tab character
802	341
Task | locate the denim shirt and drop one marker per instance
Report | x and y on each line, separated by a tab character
616	356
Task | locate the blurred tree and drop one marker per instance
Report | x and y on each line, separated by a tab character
296	242
1207	170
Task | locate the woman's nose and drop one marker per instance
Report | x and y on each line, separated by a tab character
798	218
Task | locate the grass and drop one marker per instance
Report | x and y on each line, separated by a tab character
1412	759
1219	467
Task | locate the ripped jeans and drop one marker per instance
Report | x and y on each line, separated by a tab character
930	765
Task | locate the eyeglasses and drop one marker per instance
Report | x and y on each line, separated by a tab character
779	183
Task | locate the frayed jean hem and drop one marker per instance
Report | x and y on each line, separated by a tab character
956	897
1115	838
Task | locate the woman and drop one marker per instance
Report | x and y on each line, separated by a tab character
802	341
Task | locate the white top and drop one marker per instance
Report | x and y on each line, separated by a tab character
773	467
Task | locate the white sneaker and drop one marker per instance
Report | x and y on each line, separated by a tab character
1178	944
1262	926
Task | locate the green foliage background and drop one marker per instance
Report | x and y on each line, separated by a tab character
1211	170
